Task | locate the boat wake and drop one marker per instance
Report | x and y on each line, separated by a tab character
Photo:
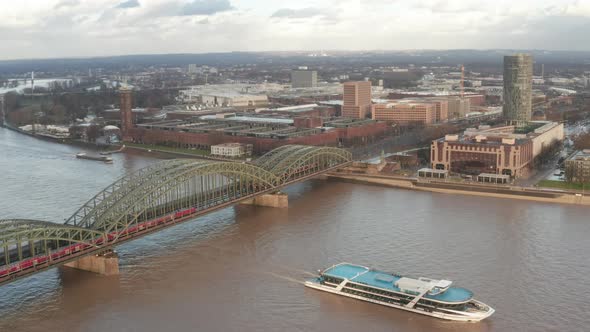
285	278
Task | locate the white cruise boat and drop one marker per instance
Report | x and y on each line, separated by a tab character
425	296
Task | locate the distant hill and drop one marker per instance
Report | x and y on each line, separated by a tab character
416	57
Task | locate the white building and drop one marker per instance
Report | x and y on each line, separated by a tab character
229	150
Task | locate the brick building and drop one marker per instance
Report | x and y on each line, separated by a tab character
202	134
499	150
482	155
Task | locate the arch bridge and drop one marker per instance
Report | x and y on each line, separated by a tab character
153	198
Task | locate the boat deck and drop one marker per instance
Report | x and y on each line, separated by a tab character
386	280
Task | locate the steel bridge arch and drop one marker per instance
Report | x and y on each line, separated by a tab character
273	157
311	160
97	205
109	209
16	232
211	181
154	196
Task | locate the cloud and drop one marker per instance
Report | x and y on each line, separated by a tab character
300	13
66	3
205	7
451	6
129	4
156	26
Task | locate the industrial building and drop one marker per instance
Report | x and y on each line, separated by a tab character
234	100
304	79
227	95
356	99
263	133
306	110
518	84
577	167
502	150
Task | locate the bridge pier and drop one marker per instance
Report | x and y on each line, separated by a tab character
276	200
106	263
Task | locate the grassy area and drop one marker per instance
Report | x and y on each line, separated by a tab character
563	185
164	148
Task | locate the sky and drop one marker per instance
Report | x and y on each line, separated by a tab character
82	28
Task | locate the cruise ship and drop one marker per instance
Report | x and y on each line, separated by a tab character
425	296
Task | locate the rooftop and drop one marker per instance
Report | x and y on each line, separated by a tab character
384	280
581	155
250	119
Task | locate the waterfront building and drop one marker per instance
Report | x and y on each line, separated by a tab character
506	150
228	150
304	78
263	132
518	76
577	167
356	99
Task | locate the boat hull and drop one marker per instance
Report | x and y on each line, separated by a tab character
458	316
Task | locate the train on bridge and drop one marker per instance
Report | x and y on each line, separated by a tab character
157	196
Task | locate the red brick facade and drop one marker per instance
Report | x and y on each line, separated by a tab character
473	157
335	137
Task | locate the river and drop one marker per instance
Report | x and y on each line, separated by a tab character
241	268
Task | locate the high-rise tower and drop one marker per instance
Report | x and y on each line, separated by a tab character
125	107
518	84
356	99
2	110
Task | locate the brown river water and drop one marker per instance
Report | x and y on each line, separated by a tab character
242	268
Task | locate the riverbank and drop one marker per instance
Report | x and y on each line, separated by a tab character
497	191
174	152
43	136
162	151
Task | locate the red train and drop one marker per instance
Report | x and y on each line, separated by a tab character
77	247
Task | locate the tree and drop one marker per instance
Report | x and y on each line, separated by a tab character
582	141
12	101
92	133
548	153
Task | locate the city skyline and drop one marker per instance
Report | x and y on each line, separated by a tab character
81	28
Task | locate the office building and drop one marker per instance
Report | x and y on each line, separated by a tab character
494	150
304	78
406	113
356	99
192	68
518	80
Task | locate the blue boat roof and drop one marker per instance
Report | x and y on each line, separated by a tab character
386	280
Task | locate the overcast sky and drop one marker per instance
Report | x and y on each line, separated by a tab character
70	28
